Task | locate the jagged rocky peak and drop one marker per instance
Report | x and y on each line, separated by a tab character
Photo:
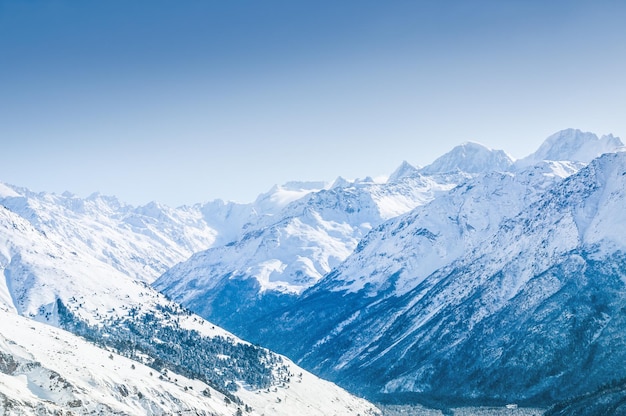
403	171
573	145
470	157
340	182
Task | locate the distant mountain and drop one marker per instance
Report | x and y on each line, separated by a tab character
574	146
404	170
143	242
470	157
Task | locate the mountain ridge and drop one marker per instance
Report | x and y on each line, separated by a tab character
351	325
386	288
47	279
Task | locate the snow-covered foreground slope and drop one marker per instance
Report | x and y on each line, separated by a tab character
48	282
45	370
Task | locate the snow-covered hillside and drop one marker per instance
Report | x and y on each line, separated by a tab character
282	255
143	242
45	370
48	282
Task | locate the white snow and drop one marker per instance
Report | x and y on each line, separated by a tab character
57	370
96	254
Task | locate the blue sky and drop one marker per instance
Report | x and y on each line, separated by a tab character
188	101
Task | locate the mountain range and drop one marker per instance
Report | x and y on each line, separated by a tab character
476	279
81	333
476	273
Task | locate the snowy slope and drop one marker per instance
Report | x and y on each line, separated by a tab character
509	288
283	254
44	370
48	282
143	242
412	246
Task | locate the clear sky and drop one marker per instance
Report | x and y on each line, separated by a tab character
187	101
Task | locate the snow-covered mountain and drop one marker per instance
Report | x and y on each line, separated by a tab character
48	281
572	145
48	371
470	157
476	278
511	287
282	255
143	242
410	247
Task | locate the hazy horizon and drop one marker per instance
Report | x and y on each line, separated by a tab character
191	101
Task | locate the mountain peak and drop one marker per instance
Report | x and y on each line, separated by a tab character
7	190
340	182
572	145
404	170
470	157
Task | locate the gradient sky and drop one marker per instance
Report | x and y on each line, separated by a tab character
188	101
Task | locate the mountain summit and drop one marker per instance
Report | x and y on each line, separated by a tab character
573	145
470	157
404	170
